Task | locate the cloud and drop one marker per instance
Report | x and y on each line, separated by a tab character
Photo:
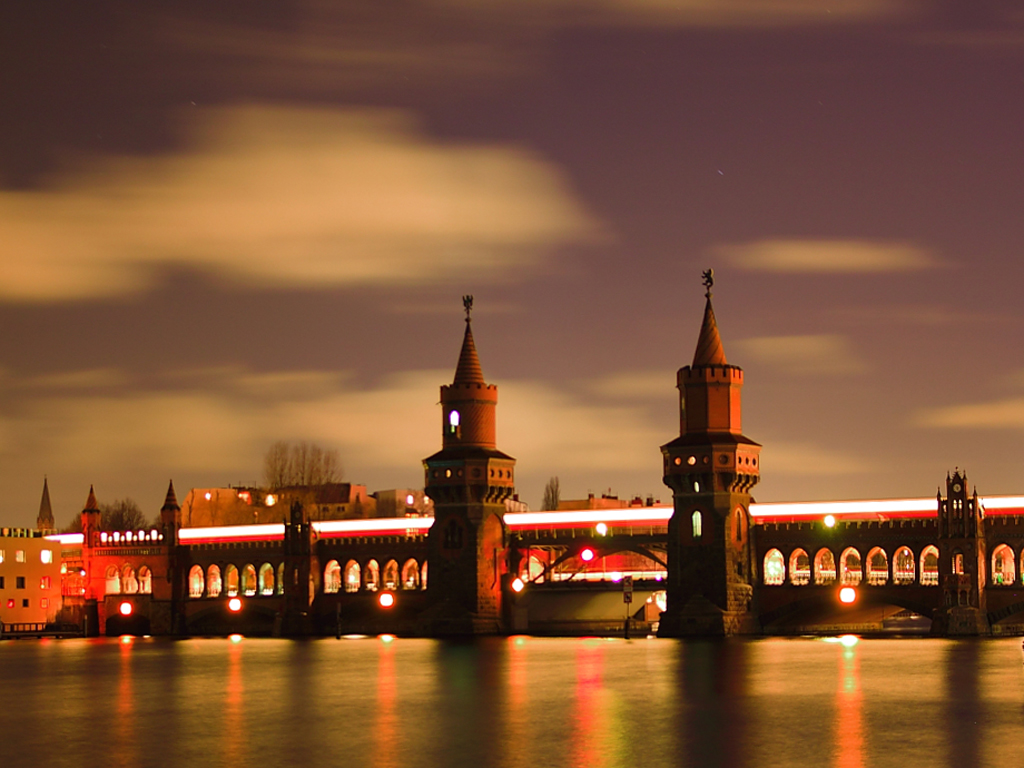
827	256
636	385
292	197
1000	414
816	354
806	459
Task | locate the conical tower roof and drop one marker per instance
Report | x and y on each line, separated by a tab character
709	343
90	503
469	370
171	500
45	518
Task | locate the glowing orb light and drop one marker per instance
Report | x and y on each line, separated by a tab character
517	584
830	521
848	641
386	599
234	605
602	529
125	609
587	555
847	595
235	638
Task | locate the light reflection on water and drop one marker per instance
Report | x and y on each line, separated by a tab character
511	703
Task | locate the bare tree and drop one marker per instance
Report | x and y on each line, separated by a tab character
300	464
122	515
551	494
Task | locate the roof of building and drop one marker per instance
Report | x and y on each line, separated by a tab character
469	370
709	344
45	519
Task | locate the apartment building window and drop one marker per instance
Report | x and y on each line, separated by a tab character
24	603
44	583
19	555
20	582
46	556
44	603
1	582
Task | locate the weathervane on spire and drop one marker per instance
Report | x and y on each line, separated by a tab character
467	302
709	280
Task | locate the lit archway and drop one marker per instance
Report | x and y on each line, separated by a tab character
824	567
850	567
930	565
196	581
249	580
231	581
799	568
878	567
774	568
371	576
1003	566
353	576
280	578
423	575
214	586
129	584
411	574
391	575
266	579
112	585
145	581
903	566
332	577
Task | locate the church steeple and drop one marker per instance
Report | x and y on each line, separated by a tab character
44	521
468	370
709	344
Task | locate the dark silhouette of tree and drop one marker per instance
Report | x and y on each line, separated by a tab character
122	515
551	494
303	464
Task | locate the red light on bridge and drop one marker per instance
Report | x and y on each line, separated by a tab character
587	555
125	609
234	605
386	599
847	595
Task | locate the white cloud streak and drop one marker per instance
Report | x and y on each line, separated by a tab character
826	256
815	354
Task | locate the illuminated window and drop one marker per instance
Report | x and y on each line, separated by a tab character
453	422
878	566
266	580
1003	566
930	565
411	575
19	555
332	577
231	581
697	525
46	556
249	580
214	586
44	603
1	555
799	568
112	585
353	576
196	581
958	563
850	567
371	576
824	567
19	582
774	568
44	583
129	583
280	578
145	581
903	566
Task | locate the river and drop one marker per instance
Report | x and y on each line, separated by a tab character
517	702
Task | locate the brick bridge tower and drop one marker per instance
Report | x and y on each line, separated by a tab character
710	468
469	480
962	559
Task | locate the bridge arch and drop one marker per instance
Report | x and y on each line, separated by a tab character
231	580
332	577
371	576
799	567
903	566
851	567
390	577
249	580
411	574
280	578
145	580
774	572
214	583
1003	566
129	581
266	579
353	576
929	574
113	581
196	581
824	566
877	567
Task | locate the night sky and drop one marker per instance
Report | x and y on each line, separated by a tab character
228	223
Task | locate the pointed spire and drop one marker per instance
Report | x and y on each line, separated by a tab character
171	500
468	370
709	343
90	503
45	519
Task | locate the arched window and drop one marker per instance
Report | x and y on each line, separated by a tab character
453	422
113	583
930	565
391	575
411	575
738	525
213	581
958	562
371	576
249	580
280	578
799	568
266	582
231	581
850	567
145	581
1003	566
353	576
878	566
423	575
774	568
332	577
903	566
697	525
824	567
129	584
196	581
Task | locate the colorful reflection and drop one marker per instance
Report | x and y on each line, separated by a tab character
385	727
590	721
849	726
